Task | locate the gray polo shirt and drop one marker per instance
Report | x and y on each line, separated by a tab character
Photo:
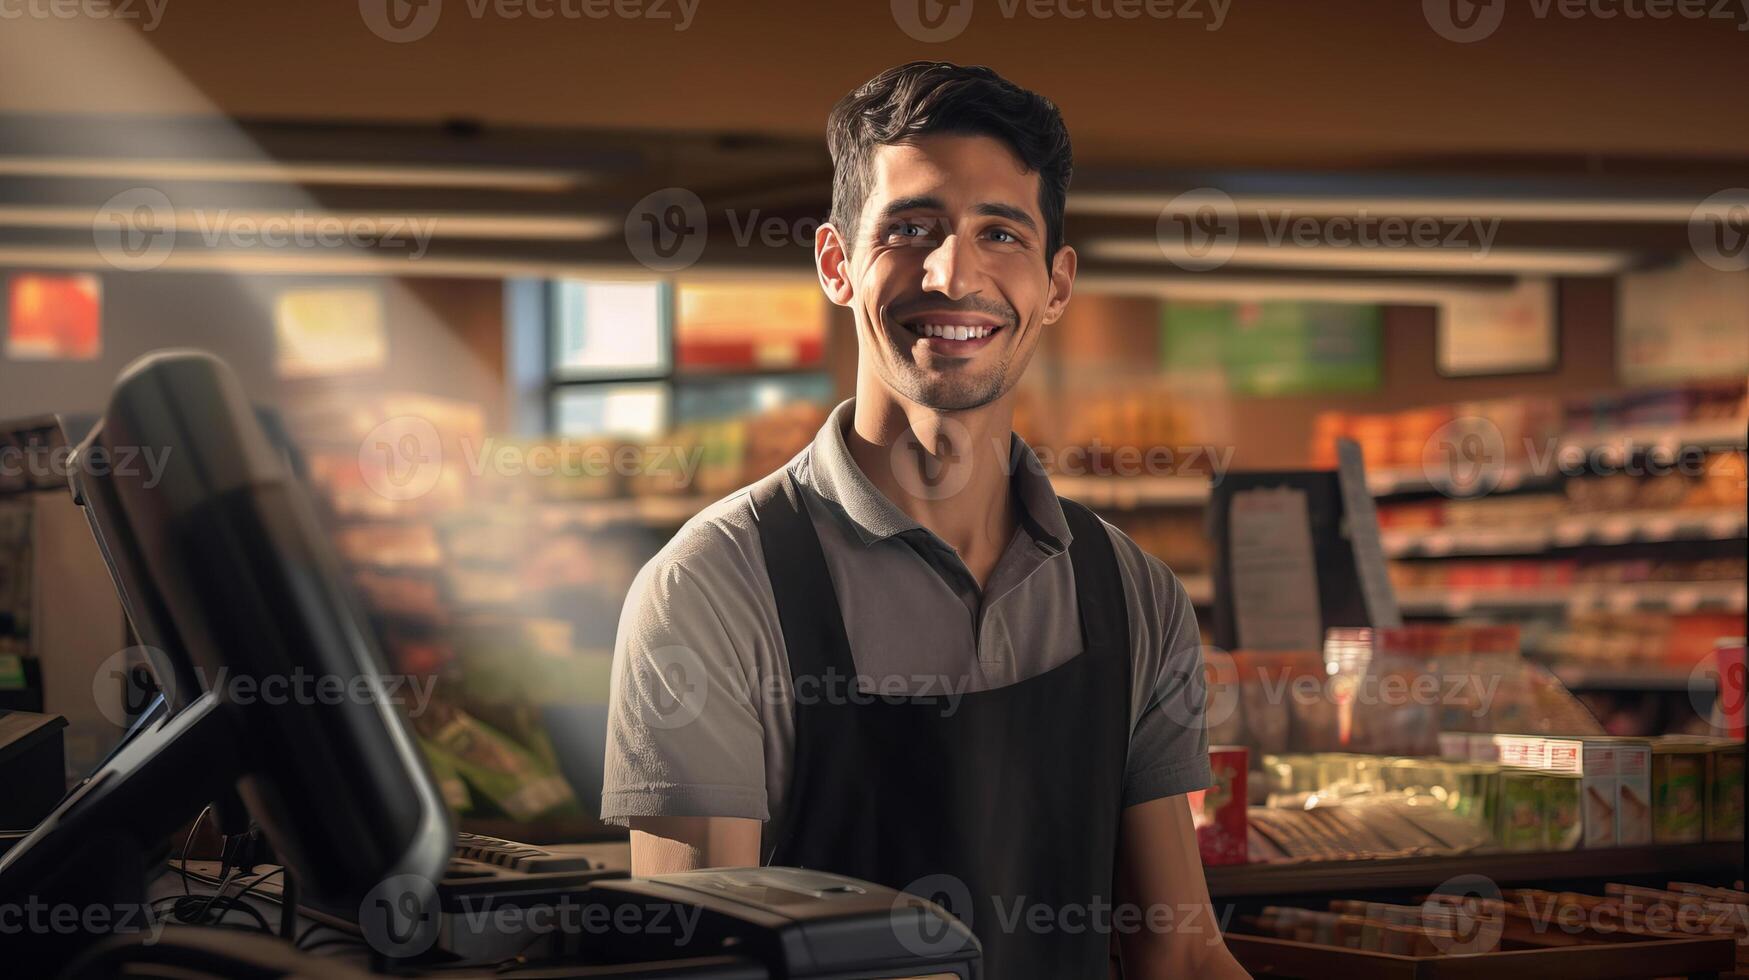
703	715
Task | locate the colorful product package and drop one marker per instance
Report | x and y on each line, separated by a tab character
1678	791
1563	826
1599	791
1725	792
1521	806
1219	811
1633	791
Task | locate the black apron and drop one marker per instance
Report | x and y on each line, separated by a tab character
1009	803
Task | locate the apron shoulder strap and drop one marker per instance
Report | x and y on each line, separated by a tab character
1099	591
807	607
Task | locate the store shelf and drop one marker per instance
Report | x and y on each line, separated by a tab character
1675	597
1669	861
1391	481
1706	434
1632	527
1580	677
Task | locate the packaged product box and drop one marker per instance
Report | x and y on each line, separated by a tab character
1678	791
1454	746
1724	813
1563	824
1633	791
1598	792
1521	810
1521	750
1220	810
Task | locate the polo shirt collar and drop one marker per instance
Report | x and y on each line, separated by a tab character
837	478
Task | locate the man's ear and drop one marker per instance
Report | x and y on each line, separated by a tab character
832	260
1062	282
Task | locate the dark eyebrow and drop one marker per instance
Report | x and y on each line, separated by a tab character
925	202
1008	211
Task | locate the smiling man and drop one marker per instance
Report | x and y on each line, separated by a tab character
902	657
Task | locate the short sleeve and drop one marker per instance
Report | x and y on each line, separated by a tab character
1169	745
684	733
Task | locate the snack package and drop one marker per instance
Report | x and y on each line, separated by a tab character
1678	791
1219	811
1563	827
1725	792
1599	791
1633	791
1521	806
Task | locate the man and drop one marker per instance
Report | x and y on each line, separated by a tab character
901	657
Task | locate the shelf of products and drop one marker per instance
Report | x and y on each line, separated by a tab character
1674	597
1391	874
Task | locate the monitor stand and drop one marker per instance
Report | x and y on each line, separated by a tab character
81	874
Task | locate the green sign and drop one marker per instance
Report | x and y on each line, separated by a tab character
1275	348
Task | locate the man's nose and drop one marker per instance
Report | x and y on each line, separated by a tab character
950	269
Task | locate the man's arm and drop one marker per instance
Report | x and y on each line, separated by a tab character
1158	867
665	845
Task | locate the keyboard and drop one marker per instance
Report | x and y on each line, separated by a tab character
525	858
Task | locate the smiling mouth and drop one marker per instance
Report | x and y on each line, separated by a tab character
952	331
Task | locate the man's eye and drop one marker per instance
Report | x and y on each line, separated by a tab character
910	229
1004	236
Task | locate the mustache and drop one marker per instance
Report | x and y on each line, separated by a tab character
910	308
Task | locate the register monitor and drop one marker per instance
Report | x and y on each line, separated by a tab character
230	571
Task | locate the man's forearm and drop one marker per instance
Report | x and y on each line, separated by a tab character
666	845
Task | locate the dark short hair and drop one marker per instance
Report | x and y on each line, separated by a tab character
926	97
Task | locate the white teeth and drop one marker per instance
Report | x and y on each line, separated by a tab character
952	331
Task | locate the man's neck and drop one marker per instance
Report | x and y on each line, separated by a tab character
949	472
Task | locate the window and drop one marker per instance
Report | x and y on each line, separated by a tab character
635	359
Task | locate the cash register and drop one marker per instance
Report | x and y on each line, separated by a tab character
327	802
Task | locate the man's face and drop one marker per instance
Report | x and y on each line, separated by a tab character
948	273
